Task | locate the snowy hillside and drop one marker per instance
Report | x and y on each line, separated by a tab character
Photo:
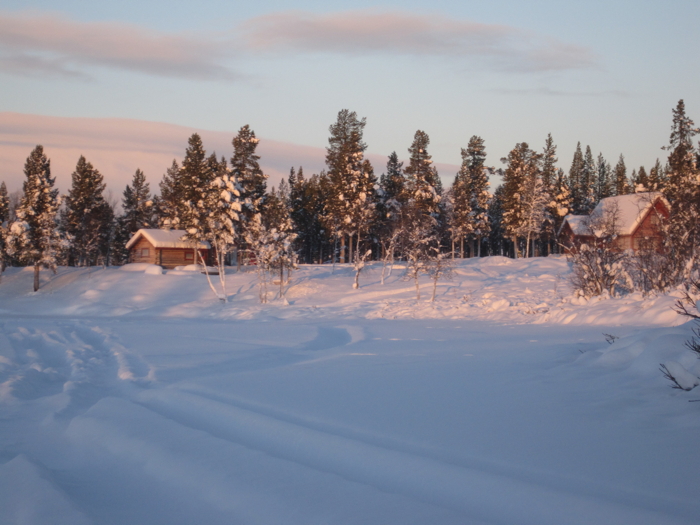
131	395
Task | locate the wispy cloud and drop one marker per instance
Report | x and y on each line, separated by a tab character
365	32
32	43
118	146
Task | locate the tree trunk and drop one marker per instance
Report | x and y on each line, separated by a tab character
478	243
417	289
461	243
36	277
516	253
281	280
342	249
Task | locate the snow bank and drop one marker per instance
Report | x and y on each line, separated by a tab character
495	289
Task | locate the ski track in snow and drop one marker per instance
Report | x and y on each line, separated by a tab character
127	397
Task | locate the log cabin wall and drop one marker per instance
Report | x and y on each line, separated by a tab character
143	252
172	257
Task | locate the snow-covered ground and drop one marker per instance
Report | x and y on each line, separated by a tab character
131	396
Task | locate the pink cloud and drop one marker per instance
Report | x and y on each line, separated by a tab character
46	43
362	32
117	147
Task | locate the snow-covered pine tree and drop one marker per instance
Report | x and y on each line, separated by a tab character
683	193
478	188
278	221
460	211
549	179
657	177
246	169
168	206
194	180
138	212
589	183
221	216
4	223
422	210
137	204
534	199
346	209
640	181
497	234
305	219
621	187
604	186
392	199
576	188
33	237
87	218
561	200
518	190
423	183
271	238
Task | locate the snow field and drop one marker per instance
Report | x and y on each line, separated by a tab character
128	396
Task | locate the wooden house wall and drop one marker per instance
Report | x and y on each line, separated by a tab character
166	257
650	228
136	252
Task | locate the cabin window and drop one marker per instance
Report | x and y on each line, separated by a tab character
189	256
145	252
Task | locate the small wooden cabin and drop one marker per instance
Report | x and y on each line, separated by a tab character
635	219
166	248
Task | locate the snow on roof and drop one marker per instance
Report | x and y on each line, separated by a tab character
579	224
629	209
164	239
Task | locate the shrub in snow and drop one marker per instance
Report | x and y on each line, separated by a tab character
679	376
440	267
598	266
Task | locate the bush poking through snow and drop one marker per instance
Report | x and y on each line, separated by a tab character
599	267
679	376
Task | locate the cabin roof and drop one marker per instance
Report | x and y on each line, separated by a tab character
631	209
165	239
578	224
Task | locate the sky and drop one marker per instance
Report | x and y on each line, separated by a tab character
125	83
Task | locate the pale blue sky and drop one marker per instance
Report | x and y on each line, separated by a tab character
606	73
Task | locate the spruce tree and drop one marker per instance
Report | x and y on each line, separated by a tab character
169	206
137	204
246	169
4	220
589	183
657	177
683	239
549	183
33	238
604	179
478	189
194	180
460	210
348	209
640	182
576	187
423	207
423	183
521	194
620	177
391	205
87	219
561	200
138	212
